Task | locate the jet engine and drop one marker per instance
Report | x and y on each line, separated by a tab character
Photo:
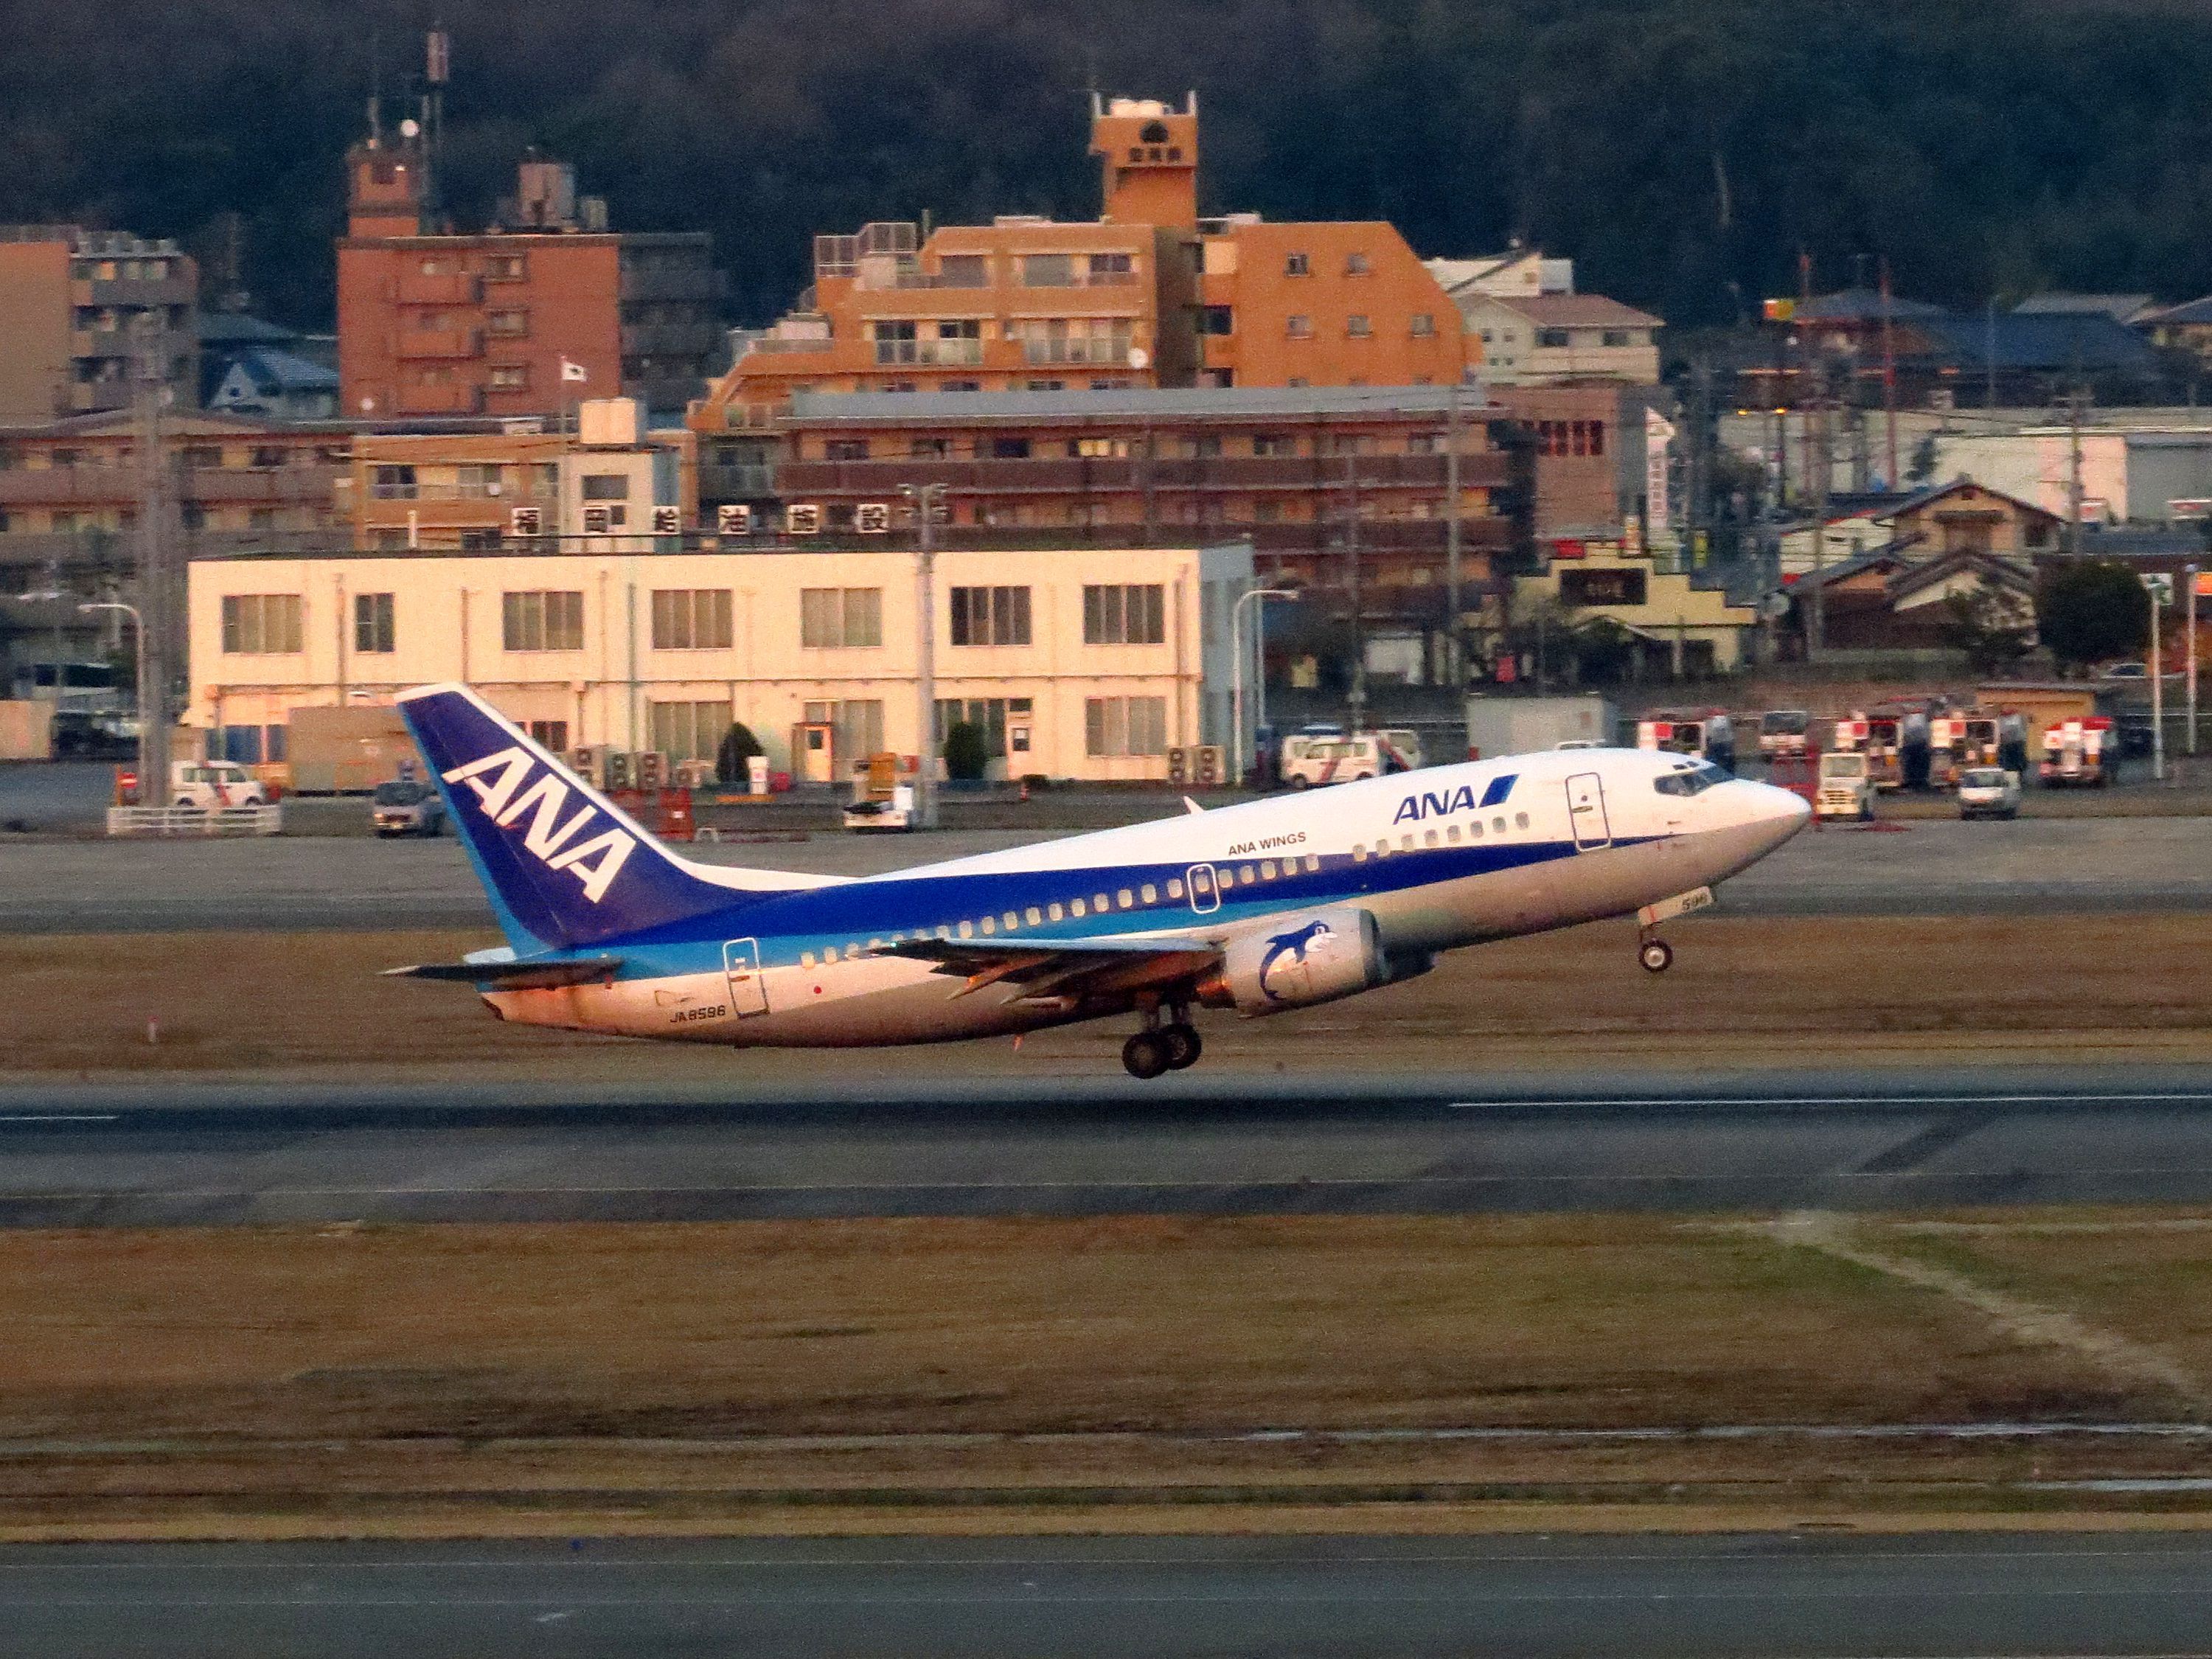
1299	960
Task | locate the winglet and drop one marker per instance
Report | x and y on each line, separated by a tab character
1192	804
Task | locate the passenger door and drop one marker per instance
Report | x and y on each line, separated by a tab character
1204	889
747	991
1586	812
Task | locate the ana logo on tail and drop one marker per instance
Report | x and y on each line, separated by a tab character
497	781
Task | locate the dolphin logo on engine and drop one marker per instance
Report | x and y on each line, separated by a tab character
1291	945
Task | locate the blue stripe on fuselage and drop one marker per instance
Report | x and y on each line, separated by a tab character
787	924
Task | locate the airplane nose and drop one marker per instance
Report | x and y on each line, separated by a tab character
1779	813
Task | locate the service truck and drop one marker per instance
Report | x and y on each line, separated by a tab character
1783	732
1521	725
1846	787
1710	736
2083	753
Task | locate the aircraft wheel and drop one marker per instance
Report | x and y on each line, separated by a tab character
1656	956
1184	1043
1147	1054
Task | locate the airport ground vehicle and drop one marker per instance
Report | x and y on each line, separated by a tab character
1783	732
1710	735
407	806
1350	757
2082	752
881	804
1263	907
1988	792
1845	788
1499	725
214	785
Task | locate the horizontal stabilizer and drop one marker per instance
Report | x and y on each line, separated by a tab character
515	975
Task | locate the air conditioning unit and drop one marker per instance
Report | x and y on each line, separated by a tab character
873	518
597	521
802	519
733	518
525	521
586	762
694	775
1178	765
667	520
615	770
1208	773
648	769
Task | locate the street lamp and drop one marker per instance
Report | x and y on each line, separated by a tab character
927	500
1237	668
146	784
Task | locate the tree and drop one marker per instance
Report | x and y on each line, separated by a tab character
967	751
1993	626
2091	611
1921	467
738	746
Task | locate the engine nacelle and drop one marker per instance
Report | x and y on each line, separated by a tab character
1302	960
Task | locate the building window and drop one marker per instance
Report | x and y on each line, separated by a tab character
1554	338
507	268
991	714
1112	270
1125	726
1597	437
1299	325
261	624
1104	340
691	731
1424	324
930	449
1297	265
846	449
1096	449
508	324
392	484
691	619
1355	264
1216	320
896	342
1357	327
1048	270
541	621
1010	449
1619	336
840	618
1133	613
372	623
990	616
1273	443
550	734
1204	447
963	270
606	486
510	377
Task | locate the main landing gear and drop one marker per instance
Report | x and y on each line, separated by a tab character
1656	955
1160	1048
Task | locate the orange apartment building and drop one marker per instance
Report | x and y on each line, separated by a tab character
434	323
1309	476
80	309
1148	295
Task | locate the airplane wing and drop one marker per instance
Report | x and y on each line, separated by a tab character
512	975
1042	970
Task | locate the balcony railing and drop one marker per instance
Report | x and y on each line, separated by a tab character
774	344
1114	351
1066	475
447	288
1079	279
521	494
951	353
736	481
440	343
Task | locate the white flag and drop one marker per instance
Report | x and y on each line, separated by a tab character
573	371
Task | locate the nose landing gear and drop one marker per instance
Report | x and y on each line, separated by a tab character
1160	1048
1656	955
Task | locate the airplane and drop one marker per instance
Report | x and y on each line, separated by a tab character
1263	906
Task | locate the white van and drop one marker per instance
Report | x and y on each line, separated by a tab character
1309	762
214	785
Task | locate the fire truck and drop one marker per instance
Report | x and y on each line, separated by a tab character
1969	738
1894	743
1710	736
2083	752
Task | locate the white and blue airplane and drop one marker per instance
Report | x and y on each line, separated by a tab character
1261	907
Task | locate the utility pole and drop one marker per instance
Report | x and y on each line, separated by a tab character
2074	472
1358	698
1816	631
1888	376
1453	655
2157	686
2189	576
157	599
926	499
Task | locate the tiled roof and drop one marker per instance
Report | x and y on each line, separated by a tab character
1576	311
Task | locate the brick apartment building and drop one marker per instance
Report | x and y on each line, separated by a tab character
79	309
1149	295
432	323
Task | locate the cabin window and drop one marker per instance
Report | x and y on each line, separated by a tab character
1174	889
1520	820
1498	824
1359	852
1451	834
806	958
1036	915
1012	920
1266	870
1128	898
1053	911
967	930
1079	908
1101	904
1312	863
1431	838
1152	894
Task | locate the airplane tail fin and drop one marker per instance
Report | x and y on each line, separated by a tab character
563	865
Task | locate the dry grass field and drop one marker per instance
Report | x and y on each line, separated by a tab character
1744	991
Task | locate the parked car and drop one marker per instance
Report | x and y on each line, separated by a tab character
407	806
1988	792
213	785
2124	670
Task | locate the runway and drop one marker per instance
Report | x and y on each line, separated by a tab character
1787	1596
1225	1144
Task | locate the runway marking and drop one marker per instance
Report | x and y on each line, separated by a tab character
59	1117
2192	1097
2025	1320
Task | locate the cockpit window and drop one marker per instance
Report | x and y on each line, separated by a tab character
1690	780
